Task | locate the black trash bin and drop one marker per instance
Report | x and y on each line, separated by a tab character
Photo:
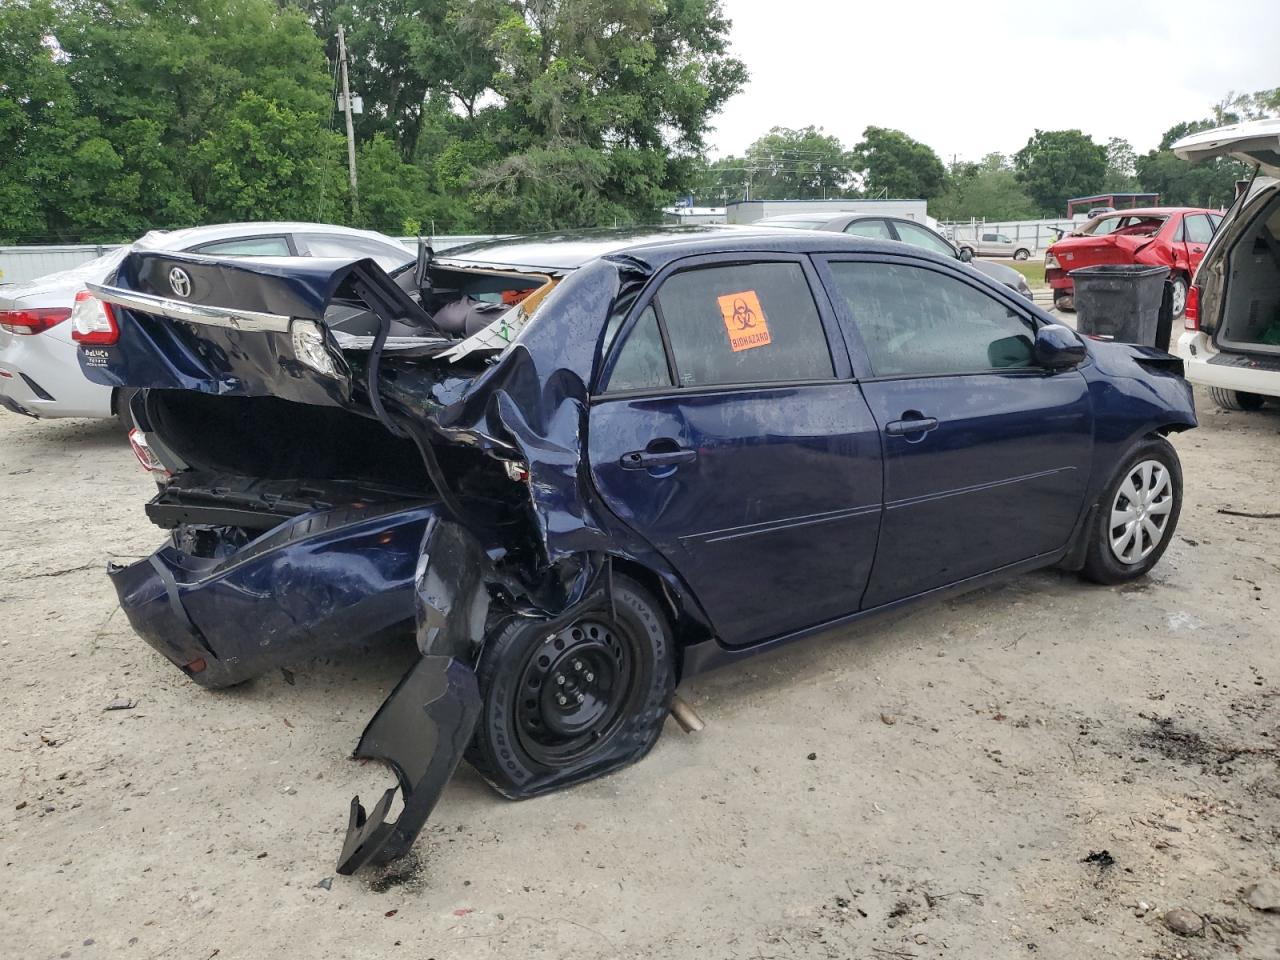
1120	301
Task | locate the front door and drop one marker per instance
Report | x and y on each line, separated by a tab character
986	456
726	432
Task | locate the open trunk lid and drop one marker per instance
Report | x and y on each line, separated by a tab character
1256	142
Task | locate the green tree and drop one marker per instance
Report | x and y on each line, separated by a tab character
784	164
37	119
892	164
391	191
266	162
1210	183
988	189
1122	167
1057	165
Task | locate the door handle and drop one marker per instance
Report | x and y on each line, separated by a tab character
1197	249
918	424
652	459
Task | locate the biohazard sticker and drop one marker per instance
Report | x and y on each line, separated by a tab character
745	320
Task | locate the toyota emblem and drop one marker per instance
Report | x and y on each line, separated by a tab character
180	282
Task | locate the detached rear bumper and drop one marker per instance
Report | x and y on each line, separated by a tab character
318	582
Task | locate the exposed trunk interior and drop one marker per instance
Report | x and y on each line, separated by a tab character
256	462
1251	313
272	439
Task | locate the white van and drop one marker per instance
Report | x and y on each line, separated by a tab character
1232	339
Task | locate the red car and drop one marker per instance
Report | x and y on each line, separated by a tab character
1175	237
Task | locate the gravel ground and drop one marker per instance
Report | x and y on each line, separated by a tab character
1039	768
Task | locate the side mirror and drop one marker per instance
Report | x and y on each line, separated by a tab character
965	254
1058	347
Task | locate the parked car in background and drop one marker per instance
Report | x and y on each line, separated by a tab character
1173	237
907	231
1231	343
666	450
40	375
990	244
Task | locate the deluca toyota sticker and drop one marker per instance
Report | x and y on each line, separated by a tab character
95	356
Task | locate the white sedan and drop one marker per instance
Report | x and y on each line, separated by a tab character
39	372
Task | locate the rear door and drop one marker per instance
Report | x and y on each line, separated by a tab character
986	455
1197	231
727	432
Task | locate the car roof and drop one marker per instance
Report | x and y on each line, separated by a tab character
655	245
1154	211
188	236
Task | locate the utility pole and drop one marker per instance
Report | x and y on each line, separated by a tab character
351	130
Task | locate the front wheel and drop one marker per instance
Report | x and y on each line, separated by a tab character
1136	514
1236	399
571	703
1021	254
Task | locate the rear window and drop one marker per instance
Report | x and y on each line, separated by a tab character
1123	225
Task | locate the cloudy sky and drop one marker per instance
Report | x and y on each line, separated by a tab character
971	76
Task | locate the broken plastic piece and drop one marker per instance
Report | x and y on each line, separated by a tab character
421	731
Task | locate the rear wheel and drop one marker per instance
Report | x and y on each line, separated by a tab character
1179	298
1065	303
1021	254
1236	399
1137	514
566	705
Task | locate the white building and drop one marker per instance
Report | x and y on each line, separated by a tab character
749	211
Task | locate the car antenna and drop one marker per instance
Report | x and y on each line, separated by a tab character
426	255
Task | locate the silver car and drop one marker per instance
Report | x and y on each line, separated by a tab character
907	231
989	244
39	372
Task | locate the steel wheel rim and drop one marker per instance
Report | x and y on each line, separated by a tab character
574	690
1140	512
1179	297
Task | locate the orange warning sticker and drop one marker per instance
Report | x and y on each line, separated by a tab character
745	320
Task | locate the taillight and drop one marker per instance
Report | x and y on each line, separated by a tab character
1191	318
92	321
1050	261
28	322
146	456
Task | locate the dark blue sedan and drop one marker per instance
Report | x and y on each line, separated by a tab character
581	467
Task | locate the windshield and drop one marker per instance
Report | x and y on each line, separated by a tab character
1128	225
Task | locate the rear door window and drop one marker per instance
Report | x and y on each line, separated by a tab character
744	323
874	229
1197	228
919	322
337	245
642	360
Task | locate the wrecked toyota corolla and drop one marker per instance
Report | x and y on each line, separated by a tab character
583	467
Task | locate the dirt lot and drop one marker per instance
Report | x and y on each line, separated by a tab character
1015	772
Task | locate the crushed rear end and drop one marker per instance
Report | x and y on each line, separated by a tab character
342	453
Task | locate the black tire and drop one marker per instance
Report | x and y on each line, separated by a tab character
1021	254
1066	304
1236	399
1181	286
1101	564
525	742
